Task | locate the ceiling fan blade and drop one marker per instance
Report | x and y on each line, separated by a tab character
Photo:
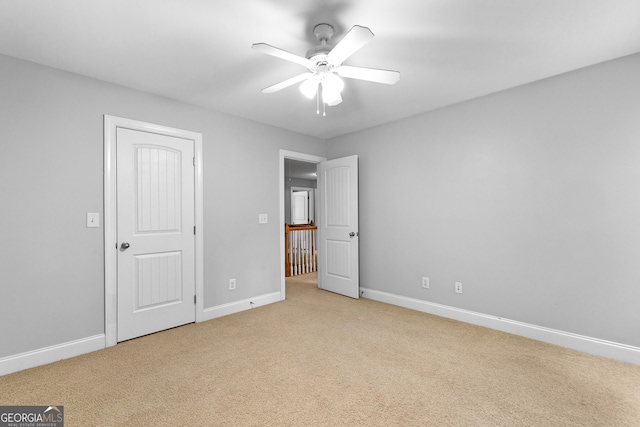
369	74
287	83
282	54
352	41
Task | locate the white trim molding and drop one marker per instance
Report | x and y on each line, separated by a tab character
594	346
238	306
111	124
54	353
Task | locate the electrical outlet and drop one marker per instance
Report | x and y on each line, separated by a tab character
425	282
232	284
458	288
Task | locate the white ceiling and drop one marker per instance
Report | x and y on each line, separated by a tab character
199	51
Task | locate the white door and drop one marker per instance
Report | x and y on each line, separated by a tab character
299	207
155	229
338	227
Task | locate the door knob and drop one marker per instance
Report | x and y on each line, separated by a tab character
124	246
352	234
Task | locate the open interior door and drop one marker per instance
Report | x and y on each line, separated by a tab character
338	226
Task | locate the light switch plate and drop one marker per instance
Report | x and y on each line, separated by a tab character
93	220
262	218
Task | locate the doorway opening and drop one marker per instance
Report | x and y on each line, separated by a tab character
296	173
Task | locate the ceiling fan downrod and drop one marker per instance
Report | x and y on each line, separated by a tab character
323	33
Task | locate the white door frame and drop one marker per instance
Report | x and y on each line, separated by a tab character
293	155
111	124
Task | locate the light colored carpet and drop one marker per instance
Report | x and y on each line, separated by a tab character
320	359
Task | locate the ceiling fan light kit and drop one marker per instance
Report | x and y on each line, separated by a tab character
324	65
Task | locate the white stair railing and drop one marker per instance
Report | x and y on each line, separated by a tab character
301	255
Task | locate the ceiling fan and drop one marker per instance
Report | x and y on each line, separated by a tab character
324	63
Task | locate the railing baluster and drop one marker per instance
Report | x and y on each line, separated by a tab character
314	258
295	253
298	253
309	234
306	249
290	254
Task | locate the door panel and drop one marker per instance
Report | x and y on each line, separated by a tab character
337	194
338	229
158	279
155	200
338	258
158	204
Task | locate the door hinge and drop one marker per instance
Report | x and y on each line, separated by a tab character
194	229
194	161
194	299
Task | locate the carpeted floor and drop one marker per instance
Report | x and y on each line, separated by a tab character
320	359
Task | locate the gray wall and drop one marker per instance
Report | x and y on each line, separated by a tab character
51	175
529	197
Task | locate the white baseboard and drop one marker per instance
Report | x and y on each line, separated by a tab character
238	306
54	353
595	346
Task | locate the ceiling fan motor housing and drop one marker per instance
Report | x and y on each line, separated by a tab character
319	53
